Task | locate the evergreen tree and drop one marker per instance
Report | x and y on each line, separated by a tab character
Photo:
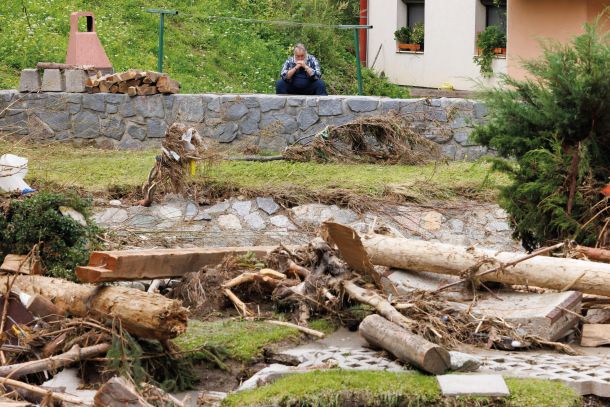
555	129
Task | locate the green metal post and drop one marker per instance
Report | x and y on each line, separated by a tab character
358	71
162	14
160	53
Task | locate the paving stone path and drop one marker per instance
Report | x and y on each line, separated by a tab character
177	222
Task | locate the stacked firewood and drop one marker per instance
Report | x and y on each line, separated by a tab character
132	82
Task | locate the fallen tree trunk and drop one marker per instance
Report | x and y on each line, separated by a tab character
405	345
594	253
151	316
547	272
152	264
75	354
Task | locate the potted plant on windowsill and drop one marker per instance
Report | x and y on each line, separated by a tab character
490	42
404	39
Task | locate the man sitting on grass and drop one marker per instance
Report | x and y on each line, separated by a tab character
301	75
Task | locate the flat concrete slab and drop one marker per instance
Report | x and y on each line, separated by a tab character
491	385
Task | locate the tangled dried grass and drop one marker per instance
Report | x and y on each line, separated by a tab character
374	139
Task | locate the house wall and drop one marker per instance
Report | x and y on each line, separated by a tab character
531	21
450	44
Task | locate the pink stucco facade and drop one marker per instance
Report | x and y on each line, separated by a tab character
530	21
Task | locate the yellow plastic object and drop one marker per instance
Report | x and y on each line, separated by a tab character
192	167
447	86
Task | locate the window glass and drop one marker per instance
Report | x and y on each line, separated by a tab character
415	13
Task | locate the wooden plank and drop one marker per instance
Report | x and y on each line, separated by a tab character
595	335
161	263
14	263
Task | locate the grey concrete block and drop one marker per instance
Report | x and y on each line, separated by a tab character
29	81
362	104
473	385
95	101
330	106
53	81
75	80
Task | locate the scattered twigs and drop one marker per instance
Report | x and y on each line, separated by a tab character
303	329
7	296
43	392
75	354
504	266
239	305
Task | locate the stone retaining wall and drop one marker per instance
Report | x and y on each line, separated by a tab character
269	121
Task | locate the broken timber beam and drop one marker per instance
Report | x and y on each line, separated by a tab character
142	314
542	271
23	264
163	263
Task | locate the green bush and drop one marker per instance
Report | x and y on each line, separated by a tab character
63	242
556	125
403	35
418	33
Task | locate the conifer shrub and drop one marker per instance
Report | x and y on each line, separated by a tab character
62	242
552	132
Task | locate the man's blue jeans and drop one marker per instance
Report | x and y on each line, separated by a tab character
316	87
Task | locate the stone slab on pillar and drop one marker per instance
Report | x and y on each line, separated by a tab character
53	81
75	80
29	81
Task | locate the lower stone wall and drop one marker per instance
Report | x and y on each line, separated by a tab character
268	121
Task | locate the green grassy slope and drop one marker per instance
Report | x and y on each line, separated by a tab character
205	54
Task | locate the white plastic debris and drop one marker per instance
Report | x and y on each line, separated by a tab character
13	170
74	214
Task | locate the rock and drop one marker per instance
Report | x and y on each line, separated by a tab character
126	108
143	220
271	102
190	211
130	144
113	127
236	112
94	102
149	106
497	226
286	122
136	131
202	216
267	205
226	133
73	214
281	221
155	128
306	118
388	105
330	107
242	207
75	80
169	212
86	125
255	221
29	81
314	214
218	208
480	110
229	222
432	220
114	202
53	81
456	225
362	104
463	362
58	121
133	284
115	98
111	216
188	108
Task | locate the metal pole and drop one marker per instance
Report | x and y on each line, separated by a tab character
358	71
160	53
162	14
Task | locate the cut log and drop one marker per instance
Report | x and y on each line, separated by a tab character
14	263
42	307
406	346
132	91
167	85
595	335
594	253
42	391
382	306
53	363
547	272
145	315
164	263
303	329
104	86
151	77
118	392
123	87
146	90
